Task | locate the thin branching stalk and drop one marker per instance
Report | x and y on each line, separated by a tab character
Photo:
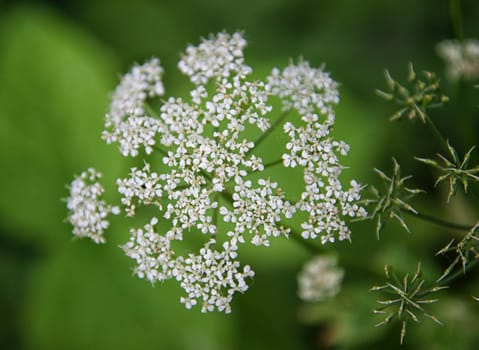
162	151
459	273
269	131
455	14
475	193
437	134
437	221
273	163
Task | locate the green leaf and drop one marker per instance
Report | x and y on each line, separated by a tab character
53	95
86	298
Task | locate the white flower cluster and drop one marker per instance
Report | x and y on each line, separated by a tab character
313	93
212	276
461	58
216	57
88	212
210	182
320	279
264	220
143	185
127	121
308	90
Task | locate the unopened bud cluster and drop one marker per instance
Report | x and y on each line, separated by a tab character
413	97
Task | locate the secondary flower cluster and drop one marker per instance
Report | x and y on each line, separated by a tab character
88	211
313	93
127	122
210	184
461	58
320	279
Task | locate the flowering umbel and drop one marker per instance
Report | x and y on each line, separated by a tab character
320	279
461	58
210	184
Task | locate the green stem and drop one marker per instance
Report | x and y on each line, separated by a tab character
162	151
307	243
215	213
269	131
150	110
455	14
437	221
442	141
273	163
458	273
475	193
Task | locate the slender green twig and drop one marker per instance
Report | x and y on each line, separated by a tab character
162	151
437	221
269	131
151	112
458	273
442	141
273	163
215	213
455	14
307	243
474	192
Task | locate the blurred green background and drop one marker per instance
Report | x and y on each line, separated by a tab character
59	62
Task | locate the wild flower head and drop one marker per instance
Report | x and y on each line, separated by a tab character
320	279
461	58
210	183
